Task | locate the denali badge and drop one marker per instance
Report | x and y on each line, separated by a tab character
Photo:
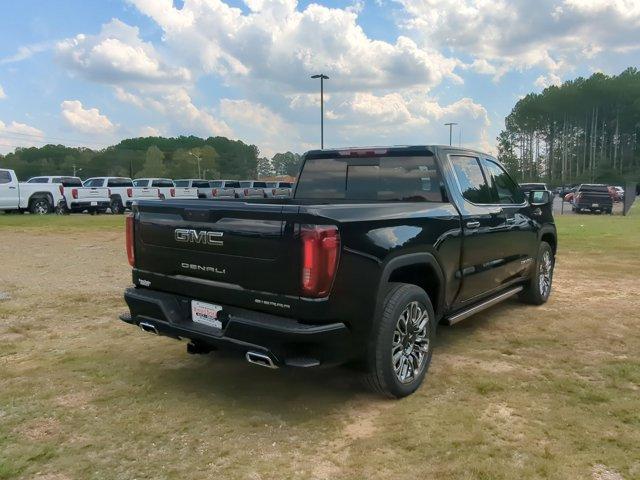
203	268
186	235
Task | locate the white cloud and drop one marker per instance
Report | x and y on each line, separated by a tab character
149	131
16	134
502	35
25	52
277	43
85	120
544	81
117	55
2	94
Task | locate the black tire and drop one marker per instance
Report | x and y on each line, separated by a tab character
116	206
534	292
381	375
40	206
62	209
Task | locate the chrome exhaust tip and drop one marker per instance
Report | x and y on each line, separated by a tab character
261	359
148	327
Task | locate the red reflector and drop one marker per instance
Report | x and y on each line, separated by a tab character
131	256
172	191
129	192
320	250
74	193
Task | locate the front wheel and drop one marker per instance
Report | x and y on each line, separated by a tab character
40	206
400	350
537	291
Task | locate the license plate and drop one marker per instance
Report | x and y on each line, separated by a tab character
94	204
595	205
206	314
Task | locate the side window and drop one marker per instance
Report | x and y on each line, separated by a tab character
472	182
5	177
506	189
38	180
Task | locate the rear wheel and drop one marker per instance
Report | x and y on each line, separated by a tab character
116	206
538	289
40	206
400	350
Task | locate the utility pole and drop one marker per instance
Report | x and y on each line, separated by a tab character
450	125
198	161
322	78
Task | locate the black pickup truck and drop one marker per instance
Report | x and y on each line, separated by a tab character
373	250
593	198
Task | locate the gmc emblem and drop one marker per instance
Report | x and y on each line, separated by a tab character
204	237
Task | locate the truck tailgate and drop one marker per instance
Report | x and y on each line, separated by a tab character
139	193
234	243
92	193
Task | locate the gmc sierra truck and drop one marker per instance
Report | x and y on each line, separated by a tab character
374	249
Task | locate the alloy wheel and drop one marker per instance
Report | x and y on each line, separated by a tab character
544	273
410	342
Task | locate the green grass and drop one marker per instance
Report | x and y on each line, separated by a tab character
514	392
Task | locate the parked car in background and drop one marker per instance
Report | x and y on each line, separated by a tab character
224	188
368	263
592	197
167	187
619	192
35	197
528	187
75	197
122	192
203	186
251	189
565	190
278	189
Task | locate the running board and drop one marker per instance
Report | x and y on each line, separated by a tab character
481	306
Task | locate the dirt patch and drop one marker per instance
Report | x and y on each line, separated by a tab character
74	399
41	429
601	472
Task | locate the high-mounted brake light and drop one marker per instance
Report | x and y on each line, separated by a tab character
172	192
131	256
320	251
129	192
74	193
360	152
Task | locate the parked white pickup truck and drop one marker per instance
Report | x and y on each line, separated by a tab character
167	187
122	192
18	197
75	197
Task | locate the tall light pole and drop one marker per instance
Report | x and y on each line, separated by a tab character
450	125
322	78
198	159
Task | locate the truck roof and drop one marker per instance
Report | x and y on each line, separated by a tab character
391	149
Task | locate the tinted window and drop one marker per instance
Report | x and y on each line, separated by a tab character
245	184
200	184
259	184
119	182
593	188
96	182
375	178
506	189
272	184
5	177
285	185
181	183
162	183
232	184
472	183
141	183
70	182
38	180
216	183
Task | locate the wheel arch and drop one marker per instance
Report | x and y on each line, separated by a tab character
44	194
549	235
420	269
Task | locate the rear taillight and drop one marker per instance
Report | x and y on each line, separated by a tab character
172	192
74	193
109	190
159	194
320	250
273	191
577	196
129	239
214	192
61	188
129	192
246	191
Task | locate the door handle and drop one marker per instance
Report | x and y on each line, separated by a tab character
12	188
473	224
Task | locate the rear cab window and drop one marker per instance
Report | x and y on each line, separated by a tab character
375	178
141	183
181	183
162	183
119	182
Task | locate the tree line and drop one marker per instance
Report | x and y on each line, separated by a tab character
585	130
178	157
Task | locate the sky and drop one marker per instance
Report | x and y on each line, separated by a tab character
90	73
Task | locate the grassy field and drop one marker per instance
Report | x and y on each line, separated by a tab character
515	392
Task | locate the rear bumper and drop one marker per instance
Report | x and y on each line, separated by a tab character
87	204
589	205
287	341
